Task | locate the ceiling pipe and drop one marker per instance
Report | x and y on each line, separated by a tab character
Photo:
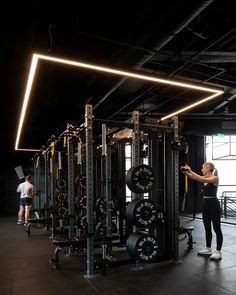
186	65
190	116
189	14
203	57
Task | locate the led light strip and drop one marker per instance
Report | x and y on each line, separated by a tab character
29	150
191	106
33	68
30	81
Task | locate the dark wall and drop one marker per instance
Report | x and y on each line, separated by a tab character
196	158
207	126
2	190
8	196
11	196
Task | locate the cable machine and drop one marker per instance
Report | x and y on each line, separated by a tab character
148	225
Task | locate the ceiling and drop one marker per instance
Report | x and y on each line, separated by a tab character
192	41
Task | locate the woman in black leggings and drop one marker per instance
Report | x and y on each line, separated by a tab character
211	206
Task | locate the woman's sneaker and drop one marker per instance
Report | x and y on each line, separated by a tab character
19	222
205	251
216	255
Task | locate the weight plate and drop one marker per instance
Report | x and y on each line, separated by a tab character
141	213
140	179
100	208
99	228
143	247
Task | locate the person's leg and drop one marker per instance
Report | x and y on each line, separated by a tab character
27	209
207	223
27	213
20	213
21	210
216	224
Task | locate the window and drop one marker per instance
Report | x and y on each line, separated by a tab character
221	147
128	165
221	151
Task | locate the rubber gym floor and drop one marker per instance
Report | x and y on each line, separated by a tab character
25	267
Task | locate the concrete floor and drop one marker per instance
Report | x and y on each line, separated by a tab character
25	268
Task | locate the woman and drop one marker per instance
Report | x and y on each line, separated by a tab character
211	206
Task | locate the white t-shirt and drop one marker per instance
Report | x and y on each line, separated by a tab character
26	190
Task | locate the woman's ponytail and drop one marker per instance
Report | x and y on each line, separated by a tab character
212	167
215	172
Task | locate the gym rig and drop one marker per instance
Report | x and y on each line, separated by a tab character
84	214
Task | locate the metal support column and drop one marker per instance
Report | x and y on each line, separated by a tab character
135	145
38	164
106	222
46	192
176	192
35	181
104	186
89	189
71	193
135	160
78	189
121	192
53	189
108	192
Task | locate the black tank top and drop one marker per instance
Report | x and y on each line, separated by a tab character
210	190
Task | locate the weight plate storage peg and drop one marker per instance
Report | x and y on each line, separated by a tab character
142	247
80	181
141	213
140	179
60	183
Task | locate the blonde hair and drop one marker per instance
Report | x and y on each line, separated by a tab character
212	168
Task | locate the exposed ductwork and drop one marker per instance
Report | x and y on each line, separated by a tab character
177	24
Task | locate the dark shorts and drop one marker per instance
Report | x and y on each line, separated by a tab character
25	201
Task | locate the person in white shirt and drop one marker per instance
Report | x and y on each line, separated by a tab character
26	190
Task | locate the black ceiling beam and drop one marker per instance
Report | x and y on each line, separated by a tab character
189	13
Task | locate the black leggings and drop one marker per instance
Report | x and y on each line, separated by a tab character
211	213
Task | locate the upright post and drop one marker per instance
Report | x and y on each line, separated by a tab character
135	149
104	194
108	191
35	179
53	188
135	160
46	159
89	189
38	164
176	191
71	201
